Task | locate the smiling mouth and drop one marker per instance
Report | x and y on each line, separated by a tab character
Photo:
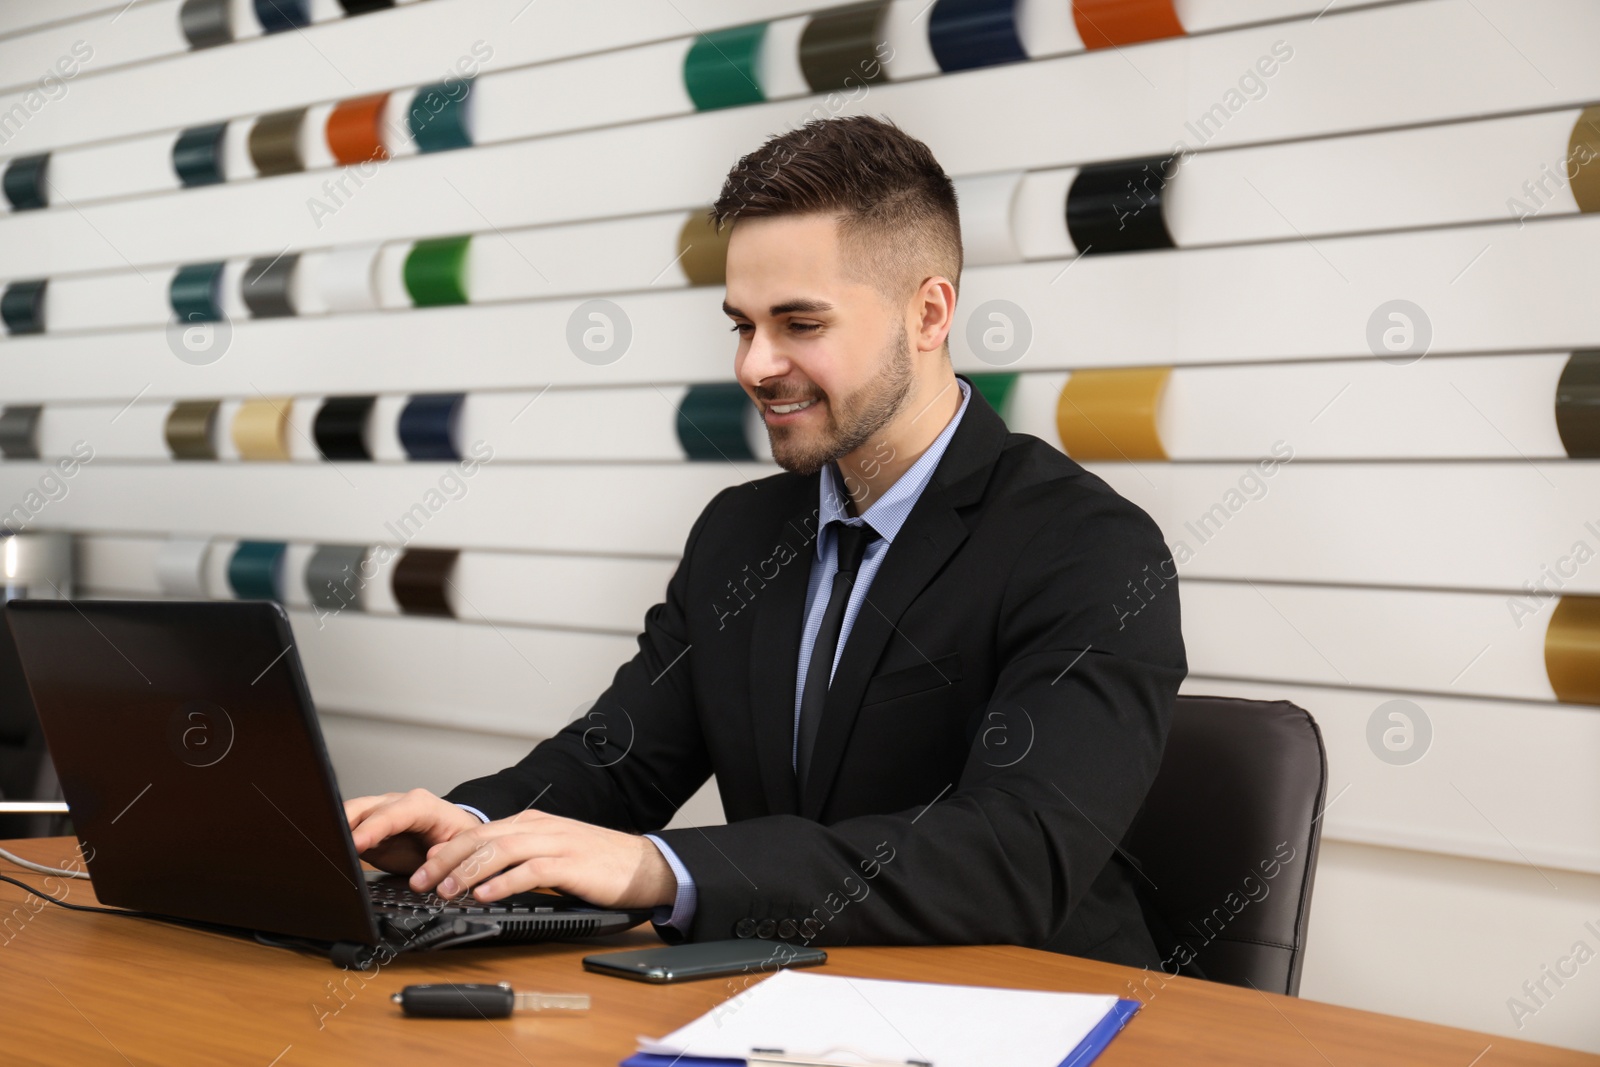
786	409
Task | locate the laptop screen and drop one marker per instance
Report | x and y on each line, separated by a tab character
189	754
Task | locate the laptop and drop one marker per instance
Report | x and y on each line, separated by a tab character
191	759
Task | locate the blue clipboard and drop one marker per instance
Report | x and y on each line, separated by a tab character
1093	1043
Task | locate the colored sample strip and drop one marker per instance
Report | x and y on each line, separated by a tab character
191	429
196	292
268	285
206	23
421	580
22	306
1572	650
1118	207
702	251
333	577
345	281
26	182
362	7
1583	160
355	130
722	68
839	48
1578	405
440	117
181	566
197	155
436	271
276	16
1109	23
428	425
995	387
260	428
1111	413
19	431
255	570
966	34
711	421
275	143
340	427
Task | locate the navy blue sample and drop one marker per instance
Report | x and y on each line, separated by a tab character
428	425
966	34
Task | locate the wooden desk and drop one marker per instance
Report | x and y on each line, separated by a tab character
86	989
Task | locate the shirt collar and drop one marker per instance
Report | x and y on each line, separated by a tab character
889	512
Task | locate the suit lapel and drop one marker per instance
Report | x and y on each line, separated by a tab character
931	534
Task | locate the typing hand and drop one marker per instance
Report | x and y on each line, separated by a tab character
536	850
393	832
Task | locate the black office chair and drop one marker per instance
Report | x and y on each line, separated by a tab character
1227	841
26	772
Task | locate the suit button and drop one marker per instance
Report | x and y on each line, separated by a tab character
786	929
765	928
745	927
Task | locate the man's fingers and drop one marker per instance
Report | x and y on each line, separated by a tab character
359	808
539	872
470	857
502	865
397	813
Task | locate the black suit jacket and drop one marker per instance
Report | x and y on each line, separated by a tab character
995	720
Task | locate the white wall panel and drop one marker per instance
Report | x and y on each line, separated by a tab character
19	17
1182	307
1387	936
1439	407
1146	109
1470	644
1491	526
418	45
1484	526
505	679
1432	176
128	33
514	507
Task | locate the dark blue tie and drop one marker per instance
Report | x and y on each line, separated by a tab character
851	544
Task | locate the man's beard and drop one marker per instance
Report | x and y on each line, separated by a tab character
851	423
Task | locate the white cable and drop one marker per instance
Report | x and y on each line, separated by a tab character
41	868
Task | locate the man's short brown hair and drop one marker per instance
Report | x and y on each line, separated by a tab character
896	207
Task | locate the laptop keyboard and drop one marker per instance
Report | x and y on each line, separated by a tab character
402	898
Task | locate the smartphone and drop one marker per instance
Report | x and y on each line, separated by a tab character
703	959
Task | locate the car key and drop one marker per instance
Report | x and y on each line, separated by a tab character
453	1000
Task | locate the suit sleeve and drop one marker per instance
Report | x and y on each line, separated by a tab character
637	754
1086	682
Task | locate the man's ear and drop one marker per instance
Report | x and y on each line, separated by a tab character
936	306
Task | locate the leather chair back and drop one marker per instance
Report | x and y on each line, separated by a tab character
1227	841
26	772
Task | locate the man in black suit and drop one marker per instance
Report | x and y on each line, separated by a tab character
932	665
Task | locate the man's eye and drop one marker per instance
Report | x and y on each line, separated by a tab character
806	326
739	326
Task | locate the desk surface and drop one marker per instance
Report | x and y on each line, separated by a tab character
88	989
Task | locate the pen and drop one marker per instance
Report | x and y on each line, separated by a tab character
761	1057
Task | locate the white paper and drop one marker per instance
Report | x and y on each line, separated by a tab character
946	1025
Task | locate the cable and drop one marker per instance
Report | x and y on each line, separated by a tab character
155	916
41	868
79	907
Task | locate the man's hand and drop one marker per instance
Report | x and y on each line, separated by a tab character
534	850
393	832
